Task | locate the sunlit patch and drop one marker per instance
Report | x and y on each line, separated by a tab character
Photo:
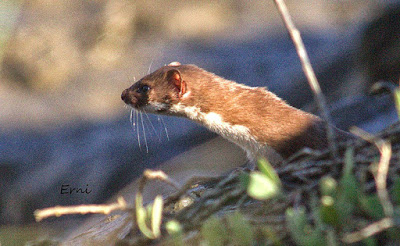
174	64
213	118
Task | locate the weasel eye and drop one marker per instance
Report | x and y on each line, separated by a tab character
143	89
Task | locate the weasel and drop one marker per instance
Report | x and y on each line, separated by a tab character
252	117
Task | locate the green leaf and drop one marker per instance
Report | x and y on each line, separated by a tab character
344	207
271	234
244	180
372	206
331	238
328	186
296	219
348	162
242	233
328	211
214	232
370	241
174	229
301	231
261	187
156	216
266	168
141	215
349	186
396	190
348	191
397	100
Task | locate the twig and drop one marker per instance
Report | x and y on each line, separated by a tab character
368	231
57	211
308	71
154	175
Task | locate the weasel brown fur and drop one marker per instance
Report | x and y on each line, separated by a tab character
252	117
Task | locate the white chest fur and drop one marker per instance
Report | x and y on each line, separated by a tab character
237	134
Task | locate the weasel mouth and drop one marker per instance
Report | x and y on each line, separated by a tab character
132	103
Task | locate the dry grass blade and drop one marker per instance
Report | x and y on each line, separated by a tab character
385	150
308	70
380	177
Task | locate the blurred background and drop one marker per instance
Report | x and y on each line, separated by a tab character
65	63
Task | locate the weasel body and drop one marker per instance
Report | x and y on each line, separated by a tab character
252	117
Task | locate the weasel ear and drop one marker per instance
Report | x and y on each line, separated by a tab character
174	77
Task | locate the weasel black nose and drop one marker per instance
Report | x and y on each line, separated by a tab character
124	96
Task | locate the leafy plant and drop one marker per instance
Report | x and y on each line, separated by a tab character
152	214
263	184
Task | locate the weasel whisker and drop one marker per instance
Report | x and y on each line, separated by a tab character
151	63
144	133
152	126
137	128
131	119
160	119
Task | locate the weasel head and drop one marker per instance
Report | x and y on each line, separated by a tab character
159	91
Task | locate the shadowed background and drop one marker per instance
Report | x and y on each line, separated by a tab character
64	65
